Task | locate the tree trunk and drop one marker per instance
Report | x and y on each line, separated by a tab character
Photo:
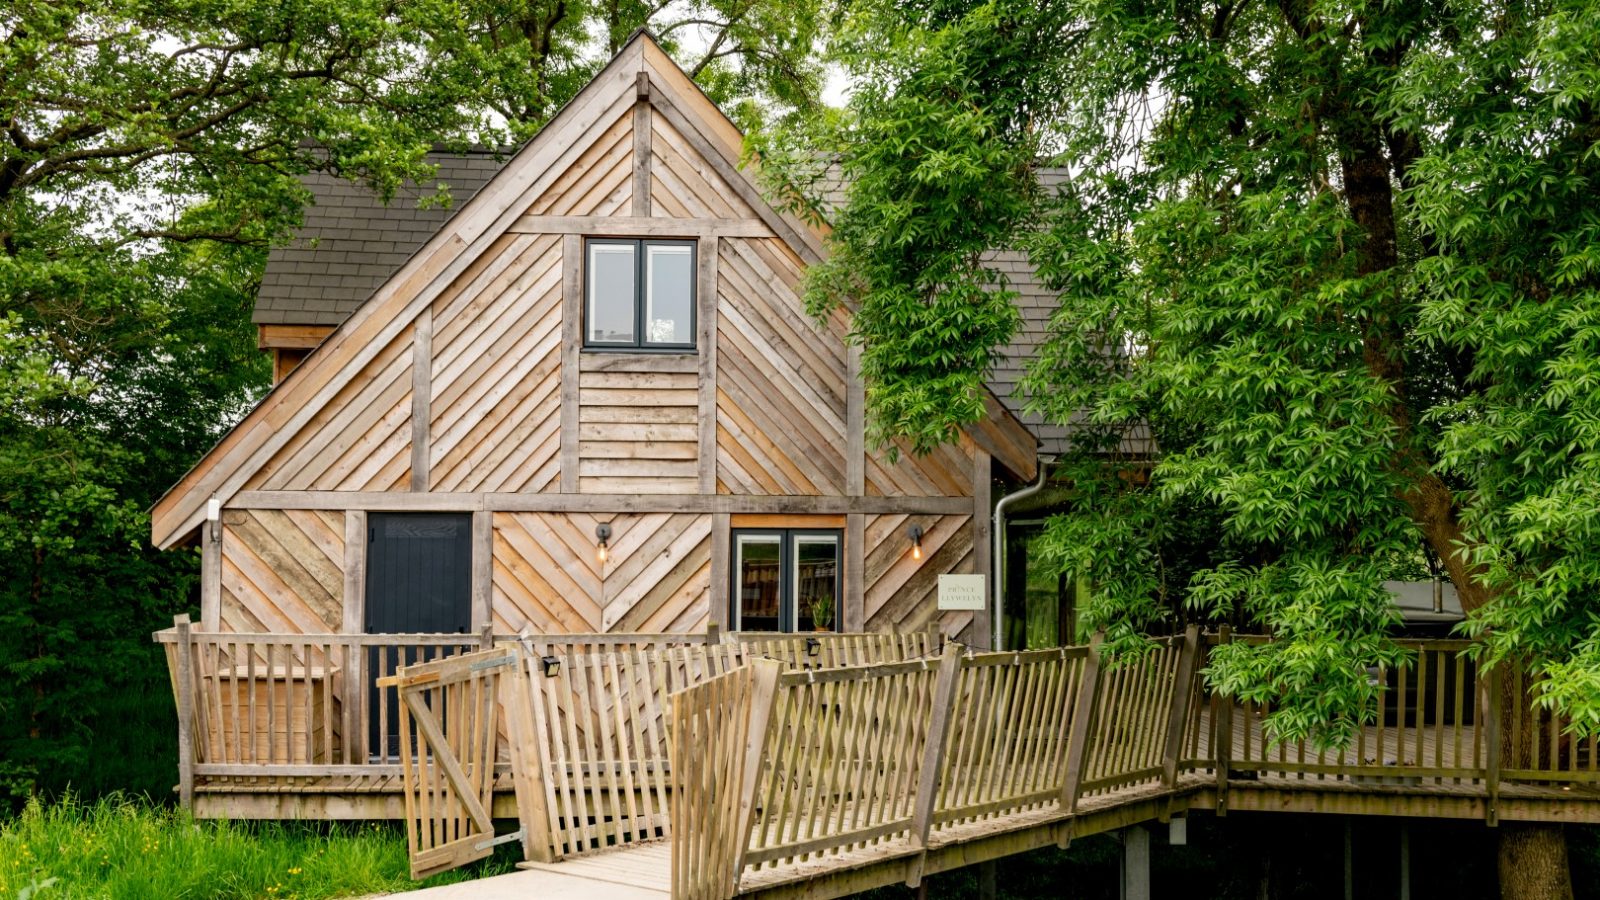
1533	862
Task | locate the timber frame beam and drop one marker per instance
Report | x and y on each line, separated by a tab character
771	504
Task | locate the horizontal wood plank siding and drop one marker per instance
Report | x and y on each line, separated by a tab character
637	429
283	571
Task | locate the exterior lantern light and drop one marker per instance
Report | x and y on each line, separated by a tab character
915	533
552	666
813	646
603	533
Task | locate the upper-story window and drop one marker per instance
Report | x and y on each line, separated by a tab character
639	294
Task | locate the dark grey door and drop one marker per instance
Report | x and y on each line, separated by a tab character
419	581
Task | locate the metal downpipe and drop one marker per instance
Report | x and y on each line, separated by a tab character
998	538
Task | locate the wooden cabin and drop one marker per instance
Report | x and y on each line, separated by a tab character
586	399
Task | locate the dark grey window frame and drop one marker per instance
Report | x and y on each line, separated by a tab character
787	613
640	271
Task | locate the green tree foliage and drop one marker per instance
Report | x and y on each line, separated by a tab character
526	58
149	154
1341	257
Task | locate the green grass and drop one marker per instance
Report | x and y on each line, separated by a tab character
121	849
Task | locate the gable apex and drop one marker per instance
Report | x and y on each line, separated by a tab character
640	72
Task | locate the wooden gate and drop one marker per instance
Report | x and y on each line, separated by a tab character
449	727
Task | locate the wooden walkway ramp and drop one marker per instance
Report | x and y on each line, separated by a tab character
765	777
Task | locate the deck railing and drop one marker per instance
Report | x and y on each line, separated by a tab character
304	706
882	760
600	708
1436	723
290	705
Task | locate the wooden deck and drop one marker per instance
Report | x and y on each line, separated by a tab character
698	769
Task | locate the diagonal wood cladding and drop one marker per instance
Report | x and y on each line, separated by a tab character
359	442
496	372
546	575
780	380
900	592
599	182
282	571
946	471
506	416
682	184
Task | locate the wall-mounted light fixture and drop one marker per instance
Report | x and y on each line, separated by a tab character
552	666
813	646
915	533
214	515
603	533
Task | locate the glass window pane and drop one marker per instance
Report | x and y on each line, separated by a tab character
611	293
669	294
816	580
756	582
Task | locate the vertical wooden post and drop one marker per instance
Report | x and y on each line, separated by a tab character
935	635
185	650
982	511
1222	732
640	202
421	399
1493	738
721	579
706	327
354	622
855	428
853	605
571	341
211	576
1182	693
1083	711
944	697
482	572
713	634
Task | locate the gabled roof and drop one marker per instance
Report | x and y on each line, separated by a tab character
462	237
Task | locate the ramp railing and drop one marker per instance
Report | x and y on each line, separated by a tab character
882	760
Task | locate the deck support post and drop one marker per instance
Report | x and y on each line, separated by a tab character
1083	711
1222	732
185	653
1405	860
1135	863
987	887
1349	861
